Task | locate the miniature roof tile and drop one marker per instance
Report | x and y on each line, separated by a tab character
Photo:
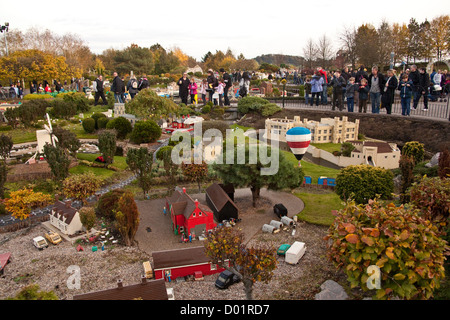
65	211
148	290
179	257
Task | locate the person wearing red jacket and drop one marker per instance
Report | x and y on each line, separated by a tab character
323	73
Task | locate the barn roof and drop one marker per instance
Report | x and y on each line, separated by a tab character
179	257
4	258
183	204
218	196
146	290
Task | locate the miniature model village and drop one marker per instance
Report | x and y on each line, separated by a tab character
173	228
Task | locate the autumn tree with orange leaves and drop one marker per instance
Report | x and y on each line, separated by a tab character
22	202
225	247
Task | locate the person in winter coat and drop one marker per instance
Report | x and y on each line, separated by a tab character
350	93
244	84
212	83
406	89
99	91
376	84
422	89
338	83
228	83
118	88
133	86
389	89
316	87
363	90
183	84
143	83
193	91
323	73
203	91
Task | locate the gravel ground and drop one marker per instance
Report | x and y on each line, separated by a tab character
100	270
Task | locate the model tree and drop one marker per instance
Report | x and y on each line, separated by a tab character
23	201
107	145
88	218
127	217
249	175
195	172
140	162
6	145
226	248
58	160
81	186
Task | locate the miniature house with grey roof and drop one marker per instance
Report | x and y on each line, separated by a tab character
65	218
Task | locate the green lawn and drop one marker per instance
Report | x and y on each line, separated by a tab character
22	135
318	206
330	147
119	162
311	169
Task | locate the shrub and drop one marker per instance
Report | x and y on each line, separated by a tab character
35	96
107	203
107	145
414	149
96	116
257	104
62	109
248	104
269	109
88	125
403	245
206	109
145	132
102	122
364	182
121	125
147	102
444	164
76	98
432	197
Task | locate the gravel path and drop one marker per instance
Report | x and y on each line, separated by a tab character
100	270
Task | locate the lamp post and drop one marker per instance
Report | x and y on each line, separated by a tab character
5	29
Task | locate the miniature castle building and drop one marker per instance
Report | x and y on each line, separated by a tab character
328	130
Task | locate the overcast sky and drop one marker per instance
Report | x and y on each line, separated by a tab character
251	27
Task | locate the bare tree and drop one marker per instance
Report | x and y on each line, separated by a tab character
347	40
310	53
324	51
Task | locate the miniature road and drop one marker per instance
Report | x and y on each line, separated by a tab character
161	236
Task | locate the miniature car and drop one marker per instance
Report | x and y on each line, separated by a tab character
282	249
226	278
53	237
40	242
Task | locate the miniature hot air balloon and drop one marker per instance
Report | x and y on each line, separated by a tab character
298	139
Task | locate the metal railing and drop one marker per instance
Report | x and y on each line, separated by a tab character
438	110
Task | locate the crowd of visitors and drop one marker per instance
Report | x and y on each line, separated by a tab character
412	85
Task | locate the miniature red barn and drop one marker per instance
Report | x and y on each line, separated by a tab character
171	264
188	215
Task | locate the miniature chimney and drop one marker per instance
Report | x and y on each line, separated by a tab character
196	203
119	283
143	280
56	197
184	190
68	203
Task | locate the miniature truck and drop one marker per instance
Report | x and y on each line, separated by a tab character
40	242
53	237
295	252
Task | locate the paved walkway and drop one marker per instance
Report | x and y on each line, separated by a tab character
161	236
